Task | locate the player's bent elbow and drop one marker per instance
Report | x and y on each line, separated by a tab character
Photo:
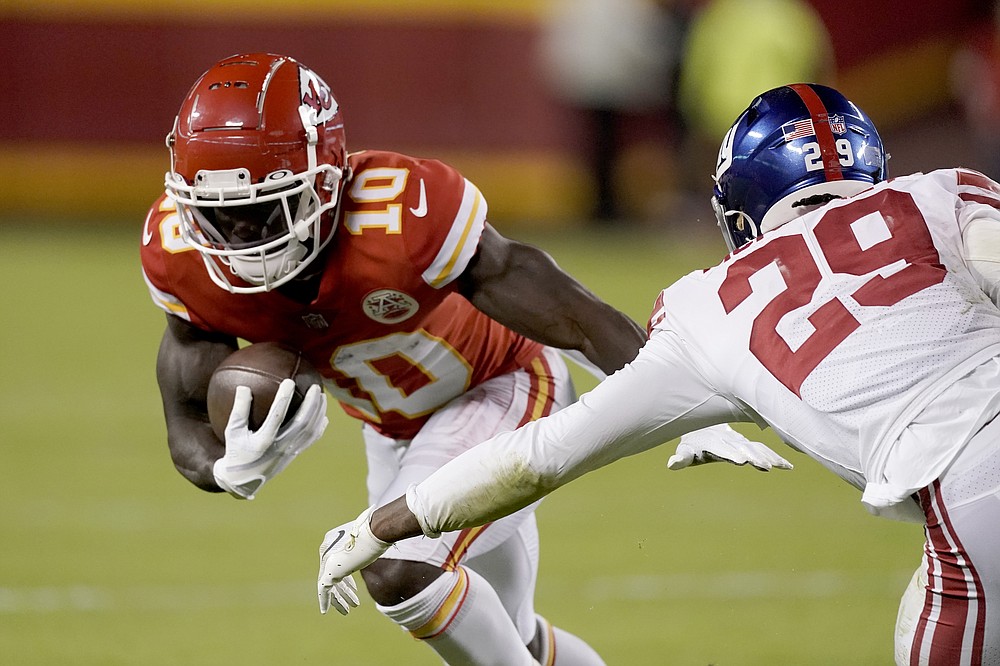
197	470
198	479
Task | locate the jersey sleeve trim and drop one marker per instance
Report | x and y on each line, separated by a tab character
975	187
463	238
167	302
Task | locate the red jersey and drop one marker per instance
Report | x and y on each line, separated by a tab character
388	329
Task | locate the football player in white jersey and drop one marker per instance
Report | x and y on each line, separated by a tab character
856	316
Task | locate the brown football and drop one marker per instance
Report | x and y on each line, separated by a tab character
262	367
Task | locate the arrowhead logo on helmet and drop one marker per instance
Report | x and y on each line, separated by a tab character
317	96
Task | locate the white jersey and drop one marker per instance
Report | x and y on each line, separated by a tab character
857	332
841	327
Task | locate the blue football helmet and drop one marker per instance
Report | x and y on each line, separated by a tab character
794	148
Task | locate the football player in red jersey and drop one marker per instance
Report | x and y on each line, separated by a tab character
427	325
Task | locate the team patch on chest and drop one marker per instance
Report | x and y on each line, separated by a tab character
388	306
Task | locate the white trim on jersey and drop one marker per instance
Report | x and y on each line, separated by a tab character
462	240
167	302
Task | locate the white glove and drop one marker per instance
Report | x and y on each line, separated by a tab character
346	549
721	443
254	457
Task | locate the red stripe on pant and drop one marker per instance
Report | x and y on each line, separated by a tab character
954	599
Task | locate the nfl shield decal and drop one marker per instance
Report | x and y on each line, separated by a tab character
389	306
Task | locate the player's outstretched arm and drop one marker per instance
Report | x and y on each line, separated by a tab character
184	365
523	288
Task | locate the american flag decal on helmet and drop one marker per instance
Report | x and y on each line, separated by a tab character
798	129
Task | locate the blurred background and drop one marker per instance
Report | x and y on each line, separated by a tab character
591	126
560	110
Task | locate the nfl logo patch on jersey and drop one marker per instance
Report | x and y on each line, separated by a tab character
315	321
388	306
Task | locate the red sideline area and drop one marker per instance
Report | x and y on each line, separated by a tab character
89	98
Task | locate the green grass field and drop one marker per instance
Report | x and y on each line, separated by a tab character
110	557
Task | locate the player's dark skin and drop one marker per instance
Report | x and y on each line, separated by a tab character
516	284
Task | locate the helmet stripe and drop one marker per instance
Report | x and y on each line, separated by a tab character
821	125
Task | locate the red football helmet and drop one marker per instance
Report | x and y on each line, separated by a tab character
257	159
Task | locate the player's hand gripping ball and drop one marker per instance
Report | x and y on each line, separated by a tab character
261	367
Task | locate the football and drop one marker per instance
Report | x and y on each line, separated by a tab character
262	367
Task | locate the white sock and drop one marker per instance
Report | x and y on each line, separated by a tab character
461	618
561	648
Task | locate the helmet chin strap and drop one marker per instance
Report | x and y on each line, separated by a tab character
312	136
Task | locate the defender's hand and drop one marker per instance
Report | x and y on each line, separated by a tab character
723	444
346	549
254	457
